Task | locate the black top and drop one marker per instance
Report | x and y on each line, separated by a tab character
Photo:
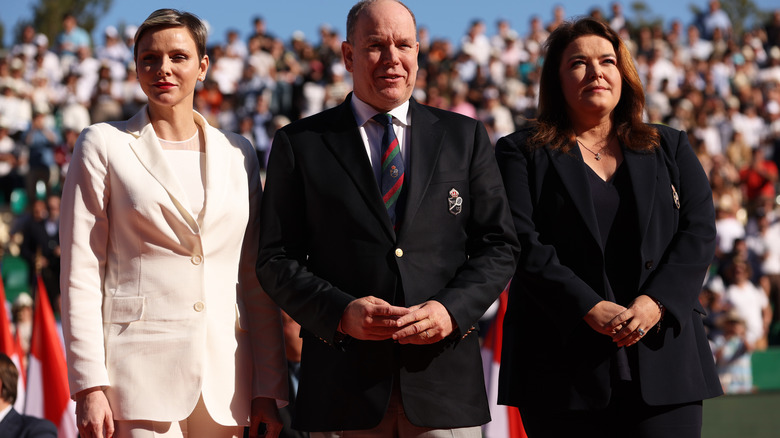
615	208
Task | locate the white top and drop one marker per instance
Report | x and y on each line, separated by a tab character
749	301
189	164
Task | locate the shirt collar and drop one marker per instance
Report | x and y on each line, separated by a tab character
363	112
5	412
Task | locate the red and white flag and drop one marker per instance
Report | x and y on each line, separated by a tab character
11	346
506	422
48	395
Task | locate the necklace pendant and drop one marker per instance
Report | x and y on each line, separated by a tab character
598	156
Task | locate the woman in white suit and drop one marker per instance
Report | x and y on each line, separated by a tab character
167	330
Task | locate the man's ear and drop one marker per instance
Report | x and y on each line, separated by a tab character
346	54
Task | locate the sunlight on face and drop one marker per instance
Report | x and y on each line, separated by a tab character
169	67
383	55
590	78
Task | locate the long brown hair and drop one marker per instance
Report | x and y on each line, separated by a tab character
553	124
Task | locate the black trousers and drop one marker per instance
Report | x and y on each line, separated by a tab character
626	416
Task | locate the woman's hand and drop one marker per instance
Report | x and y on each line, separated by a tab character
600	317
265	413
93	414
631	325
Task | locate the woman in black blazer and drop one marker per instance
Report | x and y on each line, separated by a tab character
603	333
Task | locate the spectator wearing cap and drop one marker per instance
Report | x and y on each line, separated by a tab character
129	36
47	61
114	53
16	80
729	228
22	319
43	96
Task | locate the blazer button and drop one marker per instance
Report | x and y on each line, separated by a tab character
649	264
399	252
196	259
199	306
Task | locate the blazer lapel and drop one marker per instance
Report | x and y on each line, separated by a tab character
343	139
571	170
149	152
643	168
424	148
216	167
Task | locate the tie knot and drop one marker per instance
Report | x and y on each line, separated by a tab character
383	119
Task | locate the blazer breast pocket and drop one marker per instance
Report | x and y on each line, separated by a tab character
449	176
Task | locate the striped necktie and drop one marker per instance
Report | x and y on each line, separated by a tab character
392	173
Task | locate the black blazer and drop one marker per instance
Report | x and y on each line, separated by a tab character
326	239
15	425
550	355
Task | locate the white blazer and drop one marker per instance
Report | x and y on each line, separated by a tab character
159	307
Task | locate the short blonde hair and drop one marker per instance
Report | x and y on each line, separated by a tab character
167	18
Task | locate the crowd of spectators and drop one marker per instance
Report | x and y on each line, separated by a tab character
723	88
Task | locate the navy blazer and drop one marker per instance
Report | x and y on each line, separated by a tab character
550	355
15	425
326	239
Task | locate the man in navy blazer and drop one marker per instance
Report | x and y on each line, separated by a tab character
388	309
12	423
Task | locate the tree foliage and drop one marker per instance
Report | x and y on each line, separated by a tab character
47	14
744	14
643	16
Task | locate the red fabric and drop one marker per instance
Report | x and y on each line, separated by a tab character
9	344
493	340
47	349
755	183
